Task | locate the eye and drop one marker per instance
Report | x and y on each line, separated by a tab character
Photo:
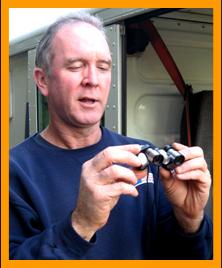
104	66
74	65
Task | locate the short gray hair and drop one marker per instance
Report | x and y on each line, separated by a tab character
44	48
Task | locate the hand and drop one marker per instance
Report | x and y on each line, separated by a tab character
187	187
101	184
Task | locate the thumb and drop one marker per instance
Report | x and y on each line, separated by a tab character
166	177
165	174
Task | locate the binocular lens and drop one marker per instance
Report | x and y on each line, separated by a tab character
177	157
154	156
178	160
157	160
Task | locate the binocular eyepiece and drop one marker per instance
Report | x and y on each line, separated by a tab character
167	157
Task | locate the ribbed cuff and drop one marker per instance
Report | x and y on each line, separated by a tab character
69	240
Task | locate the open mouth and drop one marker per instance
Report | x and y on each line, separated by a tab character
87	100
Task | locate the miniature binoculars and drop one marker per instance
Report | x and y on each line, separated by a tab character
167	157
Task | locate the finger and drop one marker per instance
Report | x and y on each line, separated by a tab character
193	164
197	175
120	188
125	154
117	173
178	146
189	152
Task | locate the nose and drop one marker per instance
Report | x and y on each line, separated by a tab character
91	76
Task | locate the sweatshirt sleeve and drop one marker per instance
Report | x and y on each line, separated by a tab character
173	243
33	235
30	240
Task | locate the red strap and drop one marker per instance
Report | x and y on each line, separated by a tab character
187	111
165	56
170	65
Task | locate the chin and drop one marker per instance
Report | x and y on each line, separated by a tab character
86	119
89	123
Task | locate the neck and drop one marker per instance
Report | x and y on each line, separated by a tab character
74	138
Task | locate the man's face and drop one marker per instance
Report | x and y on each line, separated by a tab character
80	76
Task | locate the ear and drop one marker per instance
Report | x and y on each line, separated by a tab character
41	80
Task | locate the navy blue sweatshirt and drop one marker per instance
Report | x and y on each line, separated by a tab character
44	185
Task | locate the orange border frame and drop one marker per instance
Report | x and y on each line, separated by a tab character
216	262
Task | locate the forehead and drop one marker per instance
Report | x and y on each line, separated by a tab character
80	38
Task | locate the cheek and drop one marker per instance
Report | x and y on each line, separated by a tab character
65	78
60	91
65	86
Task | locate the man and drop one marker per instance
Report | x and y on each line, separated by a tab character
74	190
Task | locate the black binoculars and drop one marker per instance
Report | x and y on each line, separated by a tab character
167	157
